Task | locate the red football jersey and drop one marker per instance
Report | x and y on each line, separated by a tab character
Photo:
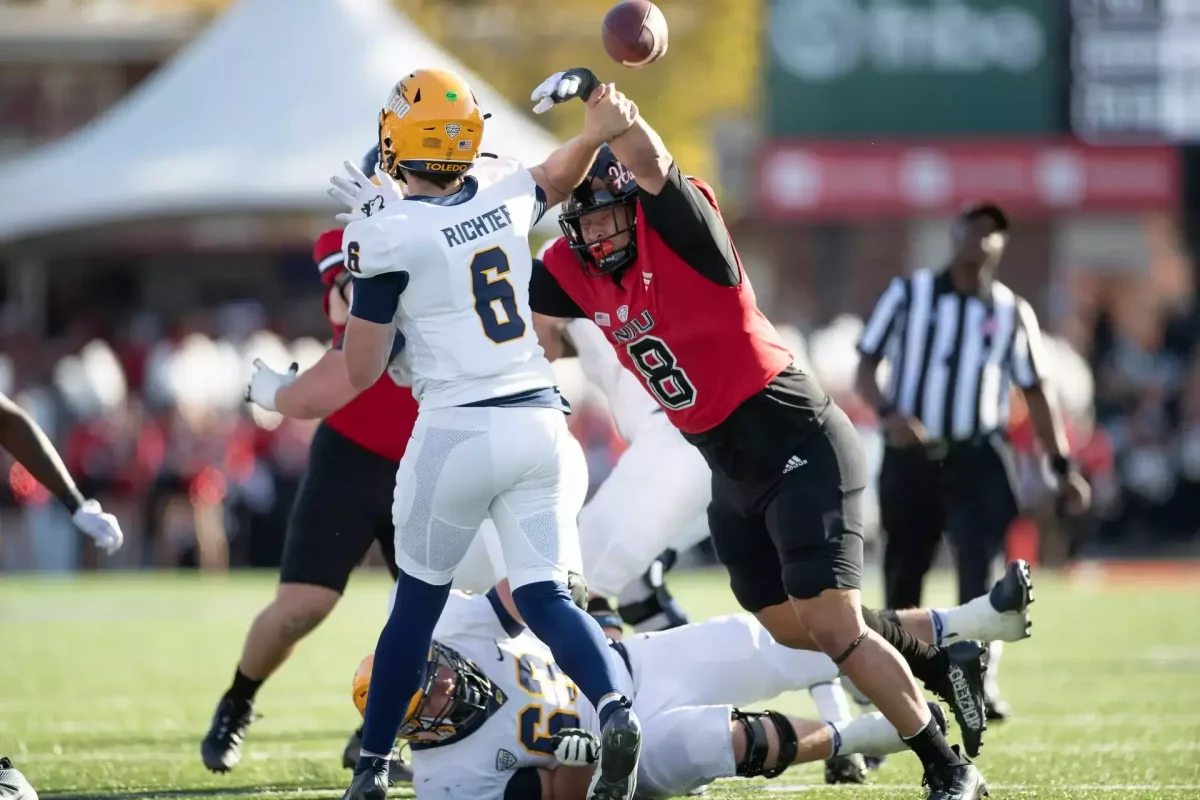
700	348
380	419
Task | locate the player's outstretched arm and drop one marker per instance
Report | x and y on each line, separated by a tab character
608	114
642	151
27	443
318	391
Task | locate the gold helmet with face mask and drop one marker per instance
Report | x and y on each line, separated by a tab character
431	126
454	699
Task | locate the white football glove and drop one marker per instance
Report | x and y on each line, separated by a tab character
101	526
265	383
563	86
363	197
575	747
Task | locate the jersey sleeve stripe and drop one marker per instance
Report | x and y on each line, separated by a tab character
539	204
330	261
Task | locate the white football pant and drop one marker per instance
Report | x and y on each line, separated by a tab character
687	682
520	466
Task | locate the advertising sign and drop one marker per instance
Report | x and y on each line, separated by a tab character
913	67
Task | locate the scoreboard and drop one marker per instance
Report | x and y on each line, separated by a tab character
1135	71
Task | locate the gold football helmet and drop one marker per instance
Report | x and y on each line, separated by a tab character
431	124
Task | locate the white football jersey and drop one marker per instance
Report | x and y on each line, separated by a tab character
465	310
539	700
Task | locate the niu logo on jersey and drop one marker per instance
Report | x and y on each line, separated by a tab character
631	330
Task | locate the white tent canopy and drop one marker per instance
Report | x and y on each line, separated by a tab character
254	115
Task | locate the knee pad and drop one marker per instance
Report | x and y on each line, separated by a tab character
754	762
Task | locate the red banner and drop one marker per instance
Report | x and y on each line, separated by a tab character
848	180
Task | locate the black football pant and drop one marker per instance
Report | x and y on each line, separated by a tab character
966	493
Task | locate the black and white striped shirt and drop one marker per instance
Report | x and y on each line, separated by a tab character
954	357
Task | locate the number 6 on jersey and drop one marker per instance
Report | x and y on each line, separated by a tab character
495	299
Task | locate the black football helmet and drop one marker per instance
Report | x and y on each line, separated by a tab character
470	699
619	190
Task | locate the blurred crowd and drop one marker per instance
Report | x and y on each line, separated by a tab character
153	424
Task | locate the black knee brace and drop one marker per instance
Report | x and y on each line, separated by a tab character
756	743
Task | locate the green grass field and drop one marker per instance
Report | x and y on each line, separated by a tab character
107	684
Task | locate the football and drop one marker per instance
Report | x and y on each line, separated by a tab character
634	33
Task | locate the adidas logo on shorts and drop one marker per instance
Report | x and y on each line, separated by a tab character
792	463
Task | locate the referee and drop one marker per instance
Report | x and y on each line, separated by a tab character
956	339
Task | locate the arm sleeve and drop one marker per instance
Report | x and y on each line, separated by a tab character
882	321
547	297
692	227
377	298
1028	358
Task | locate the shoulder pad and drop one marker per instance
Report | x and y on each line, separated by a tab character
490	171
367	247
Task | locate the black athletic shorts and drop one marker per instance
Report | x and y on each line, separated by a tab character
344	503
789	520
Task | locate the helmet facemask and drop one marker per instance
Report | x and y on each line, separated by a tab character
599	255
454	693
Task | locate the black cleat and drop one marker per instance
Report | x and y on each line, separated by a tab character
13	785
1013	594
399	770
620	750
996	708
851	768
221	749
962	689
960	782
370	782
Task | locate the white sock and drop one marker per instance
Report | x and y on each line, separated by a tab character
611	697
831	702
975	619
991	678
870	734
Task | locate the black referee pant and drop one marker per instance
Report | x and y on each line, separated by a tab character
962	489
